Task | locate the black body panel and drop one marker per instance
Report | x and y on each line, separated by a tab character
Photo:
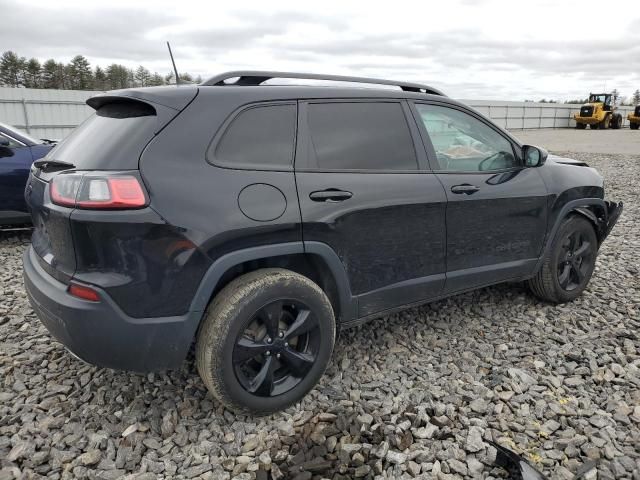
503	222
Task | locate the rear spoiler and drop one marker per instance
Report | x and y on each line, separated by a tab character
166	102
170	97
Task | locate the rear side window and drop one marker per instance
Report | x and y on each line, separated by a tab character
360	136
260	137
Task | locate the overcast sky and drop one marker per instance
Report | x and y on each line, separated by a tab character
486	49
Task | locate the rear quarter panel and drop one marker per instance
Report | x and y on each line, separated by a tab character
200	200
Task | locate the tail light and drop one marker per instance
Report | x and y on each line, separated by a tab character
104	191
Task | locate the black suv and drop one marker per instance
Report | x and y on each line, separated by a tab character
256	219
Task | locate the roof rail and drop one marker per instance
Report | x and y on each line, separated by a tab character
256	77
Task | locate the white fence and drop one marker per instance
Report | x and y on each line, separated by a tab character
54	113
44	113
523	115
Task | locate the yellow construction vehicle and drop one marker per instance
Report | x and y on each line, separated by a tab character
599	112
634	118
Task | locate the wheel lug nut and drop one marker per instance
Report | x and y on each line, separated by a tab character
267	353
277	355
281	334
286	344
269	340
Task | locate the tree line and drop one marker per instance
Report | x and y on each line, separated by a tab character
16	71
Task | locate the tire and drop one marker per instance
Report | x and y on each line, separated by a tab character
581	126
604	124
249	302
634	126
551	283
594	126
616	122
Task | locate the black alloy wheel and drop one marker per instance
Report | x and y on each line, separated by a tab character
277	348
575	260
265	341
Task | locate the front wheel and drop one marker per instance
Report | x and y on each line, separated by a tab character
569	263
634	126
581	126
266	340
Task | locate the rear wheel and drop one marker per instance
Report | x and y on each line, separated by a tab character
634	126
581	126
568	266
604	124
265	341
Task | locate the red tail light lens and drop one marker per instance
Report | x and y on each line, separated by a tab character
92	191
83	292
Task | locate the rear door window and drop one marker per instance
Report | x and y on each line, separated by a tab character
259	137
360	136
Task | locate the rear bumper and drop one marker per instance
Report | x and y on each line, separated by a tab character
100	333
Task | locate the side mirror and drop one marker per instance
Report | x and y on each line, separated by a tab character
534	156
4	142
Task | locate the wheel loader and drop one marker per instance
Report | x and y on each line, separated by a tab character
634	118
598	112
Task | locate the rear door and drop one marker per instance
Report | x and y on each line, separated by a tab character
496	212
365	191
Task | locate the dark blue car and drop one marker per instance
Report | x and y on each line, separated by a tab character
17	152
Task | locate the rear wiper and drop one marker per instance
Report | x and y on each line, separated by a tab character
48	165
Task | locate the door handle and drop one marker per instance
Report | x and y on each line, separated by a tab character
464	188
330	195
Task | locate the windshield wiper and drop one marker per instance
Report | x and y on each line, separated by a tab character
48	165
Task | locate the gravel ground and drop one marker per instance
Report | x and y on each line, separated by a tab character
411	395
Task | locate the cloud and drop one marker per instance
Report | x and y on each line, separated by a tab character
471	49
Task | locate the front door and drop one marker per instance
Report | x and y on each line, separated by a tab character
365	191
496	212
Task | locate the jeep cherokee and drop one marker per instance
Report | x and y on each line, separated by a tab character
255	219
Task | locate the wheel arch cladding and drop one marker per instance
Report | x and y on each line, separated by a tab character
318	262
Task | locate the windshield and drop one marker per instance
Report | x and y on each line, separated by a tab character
13	131
599	98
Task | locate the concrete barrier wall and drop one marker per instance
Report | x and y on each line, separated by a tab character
54	113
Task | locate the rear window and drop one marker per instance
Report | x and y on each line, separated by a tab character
111	139
360	136
260	137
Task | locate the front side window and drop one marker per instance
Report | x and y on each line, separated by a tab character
259	137
463	143
360	136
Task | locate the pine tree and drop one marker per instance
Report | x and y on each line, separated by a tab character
636	98
156	80
12	69
142	76
33	74
80	74
100	81
117	76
